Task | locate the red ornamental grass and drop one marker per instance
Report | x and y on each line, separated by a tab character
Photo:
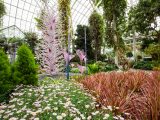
134	92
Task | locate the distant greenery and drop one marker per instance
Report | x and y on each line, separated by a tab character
2	10
101	67
144	65
96	25
80	40
149	9
154	51
129	54
32	40
146	26
114	15
9	44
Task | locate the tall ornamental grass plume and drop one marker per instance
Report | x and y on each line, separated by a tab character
5	73
135	94
26	68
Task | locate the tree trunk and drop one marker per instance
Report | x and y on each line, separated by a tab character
134	46
104	47
96	54
115	40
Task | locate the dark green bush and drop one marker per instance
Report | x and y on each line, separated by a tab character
144	65
26	68
129	54
139	57
110	67
102	57
105	66
5	73
15	75
101	67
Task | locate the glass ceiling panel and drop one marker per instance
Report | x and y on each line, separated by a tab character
21	13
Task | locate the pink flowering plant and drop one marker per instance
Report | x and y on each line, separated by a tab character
82	58
67	56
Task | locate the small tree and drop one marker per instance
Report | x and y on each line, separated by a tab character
96	32
4	73
26	67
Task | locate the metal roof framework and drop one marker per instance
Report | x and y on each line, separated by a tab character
21	13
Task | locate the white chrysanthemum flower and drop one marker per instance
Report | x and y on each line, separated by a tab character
12	106
13	118
59	117
77	118
86	106
127	113
64	114
82	116
55	114
33	113
2	111
106	116
55	108
95	113
109	108
18	111
36	118
2	107
89	117
47	108
116	118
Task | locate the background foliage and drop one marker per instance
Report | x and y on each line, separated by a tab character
97	32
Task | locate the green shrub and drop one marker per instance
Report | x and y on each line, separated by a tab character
144	65
110	67
101	67
74	70
5	73
154	51
15	75
94	68
26	69
105	66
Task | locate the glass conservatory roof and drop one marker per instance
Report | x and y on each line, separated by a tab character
20	14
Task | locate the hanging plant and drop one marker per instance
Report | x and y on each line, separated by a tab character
64	15
2	8
2	11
